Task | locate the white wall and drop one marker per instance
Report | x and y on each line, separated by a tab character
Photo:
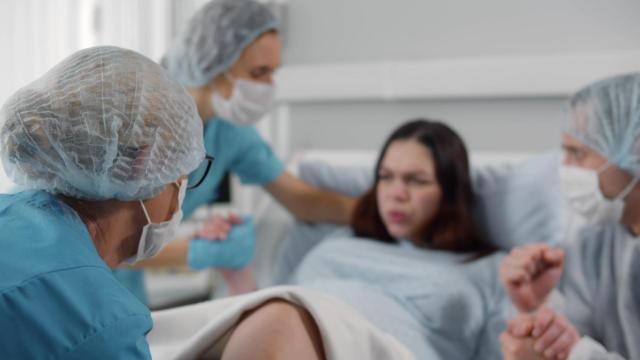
330	31
521	125
342	32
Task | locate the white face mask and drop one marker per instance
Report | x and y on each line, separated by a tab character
249	102
582	191
155	236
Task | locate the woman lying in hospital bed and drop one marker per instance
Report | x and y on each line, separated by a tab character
427	284
415	263
416	268
598	318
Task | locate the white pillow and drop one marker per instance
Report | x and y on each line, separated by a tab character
516	204
521	203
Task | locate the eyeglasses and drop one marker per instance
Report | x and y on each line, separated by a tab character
201	172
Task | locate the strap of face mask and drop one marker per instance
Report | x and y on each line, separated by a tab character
145	209
229	77
604	167
145	212
627	190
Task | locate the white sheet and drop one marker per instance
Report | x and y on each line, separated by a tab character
187	332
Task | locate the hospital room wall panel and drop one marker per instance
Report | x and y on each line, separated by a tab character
331	31
374	33
497	125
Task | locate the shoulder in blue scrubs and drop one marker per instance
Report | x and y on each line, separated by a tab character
239	149
56	292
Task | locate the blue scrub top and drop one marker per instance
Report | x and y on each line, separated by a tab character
236	148
58	299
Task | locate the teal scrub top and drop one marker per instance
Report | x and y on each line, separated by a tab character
58	299
236	148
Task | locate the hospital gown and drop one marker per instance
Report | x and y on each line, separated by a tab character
434	302
58	299
236	148
601	287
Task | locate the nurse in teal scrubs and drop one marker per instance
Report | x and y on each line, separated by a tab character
226	58
102	143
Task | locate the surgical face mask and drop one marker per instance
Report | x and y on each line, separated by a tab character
582	191
155	236
249	102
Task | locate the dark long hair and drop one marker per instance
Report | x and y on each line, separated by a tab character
452	227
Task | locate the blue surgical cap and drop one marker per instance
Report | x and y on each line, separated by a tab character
214	39
105	123
606	117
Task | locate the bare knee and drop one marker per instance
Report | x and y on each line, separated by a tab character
275	330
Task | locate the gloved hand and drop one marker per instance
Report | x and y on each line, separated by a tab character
217	227
234	252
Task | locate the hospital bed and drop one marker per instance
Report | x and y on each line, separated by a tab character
519	202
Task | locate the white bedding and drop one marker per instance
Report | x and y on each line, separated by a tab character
191	331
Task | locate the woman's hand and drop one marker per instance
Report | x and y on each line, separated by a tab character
529	273
555	335
517	348
217	227
546	333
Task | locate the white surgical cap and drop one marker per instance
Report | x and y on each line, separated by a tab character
605	116
214	39
105	123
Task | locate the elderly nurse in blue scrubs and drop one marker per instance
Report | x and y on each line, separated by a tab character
226	58
102	144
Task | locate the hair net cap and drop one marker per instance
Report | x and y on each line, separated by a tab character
214	39
606	117
105	123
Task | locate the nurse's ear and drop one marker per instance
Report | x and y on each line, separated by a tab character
222	85
615	181
632	211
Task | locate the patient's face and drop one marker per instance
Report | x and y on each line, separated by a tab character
408	193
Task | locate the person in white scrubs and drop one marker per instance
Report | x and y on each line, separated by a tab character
597	277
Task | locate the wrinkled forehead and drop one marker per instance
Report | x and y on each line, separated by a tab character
408	156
